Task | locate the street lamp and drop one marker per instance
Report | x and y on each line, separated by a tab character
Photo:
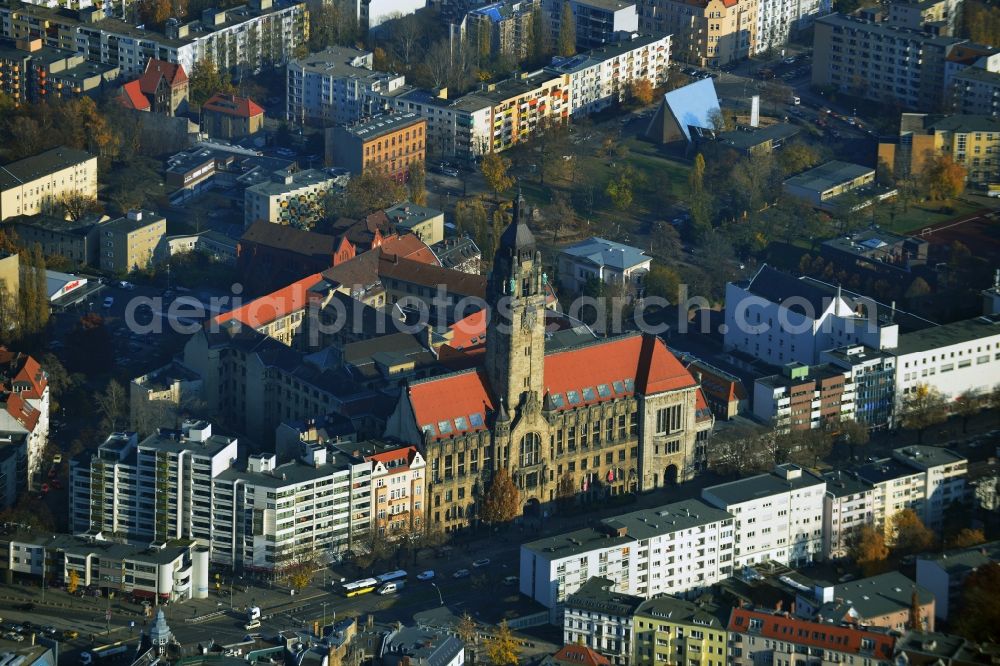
323	626
440	598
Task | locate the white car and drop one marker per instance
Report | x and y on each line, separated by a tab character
478	564
461	573
426	575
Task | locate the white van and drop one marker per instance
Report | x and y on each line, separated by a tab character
390	588
252	624
795	100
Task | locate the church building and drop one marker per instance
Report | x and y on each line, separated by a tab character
612	416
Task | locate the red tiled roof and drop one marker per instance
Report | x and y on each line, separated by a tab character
231	105
266	309
469	333
573	378
431	275
409	246
21	380
157	69
406	453
813	634
21	411
581	654
455	404
132	97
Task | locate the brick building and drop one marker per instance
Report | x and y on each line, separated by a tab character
389	144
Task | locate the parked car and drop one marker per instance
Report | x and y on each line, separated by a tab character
461	573
12	636
478	564
70	634
126	285
109	301
510	580
426	575
57	458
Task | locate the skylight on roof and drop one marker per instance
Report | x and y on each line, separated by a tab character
619	387
604	391
573	397
557	400
589	395
428	428
629	385
444	427
461	423
476	420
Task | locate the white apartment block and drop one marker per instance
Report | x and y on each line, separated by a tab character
296	199
185	485
926	479
955	358
257	35
778	516
848	505
600	78
337	86
34	184
458	127
778	318
975	91
779	19
601	617
675	549
156	490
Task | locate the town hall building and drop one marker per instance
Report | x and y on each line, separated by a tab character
611	416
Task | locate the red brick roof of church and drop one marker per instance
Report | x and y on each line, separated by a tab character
132	97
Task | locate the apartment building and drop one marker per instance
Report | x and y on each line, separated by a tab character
778	318
34	184
601	77
597	22
337	86
940	15
24	415
186	484
674	631
399	485
961	357
804	397
777	516
172	573
707	33
972	142
256	35
503	29
974	90
79	241
944	574
386	144
295	198
226	116
601	618
849	505
676	549
777	20
885	601
926	479
425	223
766	638
865	57
872	375
31	72
129	243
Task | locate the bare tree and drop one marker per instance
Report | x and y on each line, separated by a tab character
407	34
438	62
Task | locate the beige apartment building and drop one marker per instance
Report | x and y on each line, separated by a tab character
10	275
34	184
129	243
398	489
705	32
971	141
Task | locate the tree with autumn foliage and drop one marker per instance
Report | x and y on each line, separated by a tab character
73	581
567	31
911	536
921	408
206	80
495	169
870	551
300	571
501	648
943	178
417	183
967	537
979	619
75	205
640	91
502	502
967	405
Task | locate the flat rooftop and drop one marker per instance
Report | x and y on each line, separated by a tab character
946	335
829	175
300	179
381	125
762	485
128	225
924	456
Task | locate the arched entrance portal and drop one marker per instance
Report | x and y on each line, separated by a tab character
670	476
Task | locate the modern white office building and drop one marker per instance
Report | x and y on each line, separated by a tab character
778	516
674	549
778	318
955	358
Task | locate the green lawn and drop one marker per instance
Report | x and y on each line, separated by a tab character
918	216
